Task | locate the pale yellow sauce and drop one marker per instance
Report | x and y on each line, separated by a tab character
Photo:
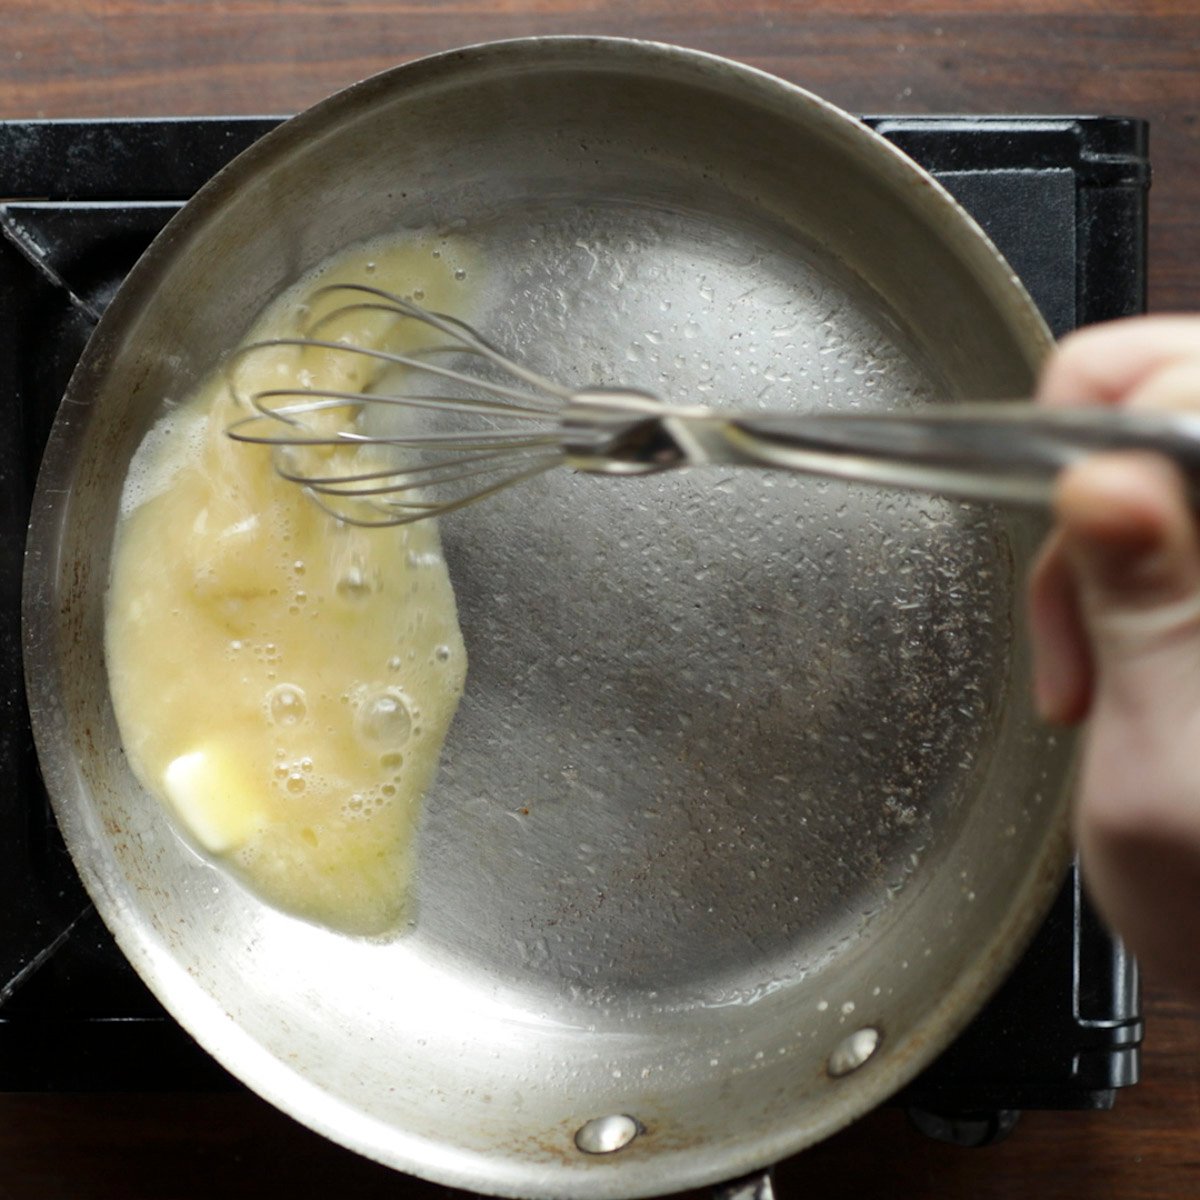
283	683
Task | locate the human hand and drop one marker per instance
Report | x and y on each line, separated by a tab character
1115	622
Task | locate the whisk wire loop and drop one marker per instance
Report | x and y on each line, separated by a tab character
393	474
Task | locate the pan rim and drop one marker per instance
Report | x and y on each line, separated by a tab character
199	1013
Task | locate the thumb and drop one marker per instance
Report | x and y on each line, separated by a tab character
1131	538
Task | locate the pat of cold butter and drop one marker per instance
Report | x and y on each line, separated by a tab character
214	804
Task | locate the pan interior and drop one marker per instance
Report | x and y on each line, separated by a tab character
714	720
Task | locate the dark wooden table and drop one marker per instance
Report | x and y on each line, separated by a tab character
143	57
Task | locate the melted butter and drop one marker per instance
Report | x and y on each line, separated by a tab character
283	682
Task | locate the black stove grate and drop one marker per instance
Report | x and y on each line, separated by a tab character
1063	198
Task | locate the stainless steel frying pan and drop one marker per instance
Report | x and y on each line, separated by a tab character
745	811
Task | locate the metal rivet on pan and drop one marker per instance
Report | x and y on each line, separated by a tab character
852	1051
604	1135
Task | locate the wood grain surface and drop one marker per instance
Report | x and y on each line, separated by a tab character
154	57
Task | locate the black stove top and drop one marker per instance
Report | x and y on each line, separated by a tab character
1063	198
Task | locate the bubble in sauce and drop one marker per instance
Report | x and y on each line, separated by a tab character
385	717
354	584
286	704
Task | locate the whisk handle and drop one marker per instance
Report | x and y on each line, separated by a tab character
1007	451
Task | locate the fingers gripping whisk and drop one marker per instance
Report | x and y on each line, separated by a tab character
387	413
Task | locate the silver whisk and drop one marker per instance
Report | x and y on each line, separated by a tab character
520	424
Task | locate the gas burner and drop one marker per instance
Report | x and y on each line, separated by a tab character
1063	198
